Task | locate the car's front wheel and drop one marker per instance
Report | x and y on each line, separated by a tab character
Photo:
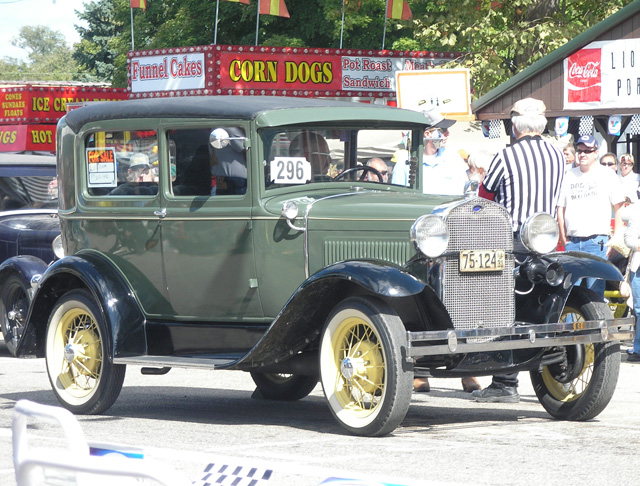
581	387
83	377
362	367
15	305
278	386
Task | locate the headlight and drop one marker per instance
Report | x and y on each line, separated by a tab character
289	210
540	233
430	235
58	250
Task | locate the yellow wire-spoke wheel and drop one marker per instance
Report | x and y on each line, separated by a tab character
361	370
567	392
359	366
581	386
78	337
82	377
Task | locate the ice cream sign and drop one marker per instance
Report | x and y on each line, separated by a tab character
603	74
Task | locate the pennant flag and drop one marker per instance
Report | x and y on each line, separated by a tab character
273	7
398	9
139	4
246	2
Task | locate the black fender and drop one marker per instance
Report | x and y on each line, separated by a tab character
24	266
544	303
92	271
300	322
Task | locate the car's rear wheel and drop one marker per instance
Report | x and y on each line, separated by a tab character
279	386
582	387
15	305
361	367
83	377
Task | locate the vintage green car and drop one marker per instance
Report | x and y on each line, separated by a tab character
248	233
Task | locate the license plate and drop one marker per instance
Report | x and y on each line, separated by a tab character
481	260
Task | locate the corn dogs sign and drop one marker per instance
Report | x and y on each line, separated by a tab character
284	71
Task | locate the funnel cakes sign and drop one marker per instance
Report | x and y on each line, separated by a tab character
603	74
283	71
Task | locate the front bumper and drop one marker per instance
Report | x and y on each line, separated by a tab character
519	336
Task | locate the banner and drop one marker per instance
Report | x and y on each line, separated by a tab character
47	104
20	138
167	73
281	71
603	74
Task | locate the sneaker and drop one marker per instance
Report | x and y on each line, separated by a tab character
493	394
633	358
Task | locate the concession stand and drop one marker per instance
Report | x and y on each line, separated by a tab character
591	85
356	74
29	112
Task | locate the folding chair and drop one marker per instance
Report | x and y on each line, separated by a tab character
72	464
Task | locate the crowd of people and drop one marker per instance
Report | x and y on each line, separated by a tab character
584	189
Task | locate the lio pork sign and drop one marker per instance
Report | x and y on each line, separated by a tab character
603	74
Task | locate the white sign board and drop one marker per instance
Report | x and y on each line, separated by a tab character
170	72
447	90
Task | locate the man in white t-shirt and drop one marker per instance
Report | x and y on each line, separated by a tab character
589	194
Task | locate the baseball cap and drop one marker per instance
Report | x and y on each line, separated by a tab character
139	160
587	140
435	119
528	106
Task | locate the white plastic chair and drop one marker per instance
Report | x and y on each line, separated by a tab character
72	465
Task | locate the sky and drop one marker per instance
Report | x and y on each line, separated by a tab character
56	14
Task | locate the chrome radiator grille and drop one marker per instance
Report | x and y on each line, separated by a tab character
397	252
483	299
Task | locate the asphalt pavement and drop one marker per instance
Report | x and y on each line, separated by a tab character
188	419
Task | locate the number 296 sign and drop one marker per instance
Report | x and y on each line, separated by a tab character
290	170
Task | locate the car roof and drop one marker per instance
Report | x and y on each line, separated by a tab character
234	107
27	164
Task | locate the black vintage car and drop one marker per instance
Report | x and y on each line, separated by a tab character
28	225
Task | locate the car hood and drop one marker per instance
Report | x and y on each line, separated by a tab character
384	209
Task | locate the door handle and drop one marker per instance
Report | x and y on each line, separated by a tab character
161	213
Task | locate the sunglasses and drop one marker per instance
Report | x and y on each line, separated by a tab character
626	163
585	151
608	164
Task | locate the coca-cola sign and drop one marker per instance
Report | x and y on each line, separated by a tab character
584	76
604	74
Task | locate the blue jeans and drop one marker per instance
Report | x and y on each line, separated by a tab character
595	246
635	291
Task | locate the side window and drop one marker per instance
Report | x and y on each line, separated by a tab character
200	169
122	163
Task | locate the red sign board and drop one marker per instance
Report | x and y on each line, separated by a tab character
32	103
21	138
282	71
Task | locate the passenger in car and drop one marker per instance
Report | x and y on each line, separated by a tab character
137	173
229	165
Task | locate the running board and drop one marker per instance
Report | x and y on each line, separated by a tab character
175	361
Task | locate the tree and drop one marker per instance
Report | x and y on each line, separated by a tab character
500	39
49	57
497	39
97	51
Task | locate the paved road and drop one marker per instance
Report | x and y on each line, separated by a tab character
187	419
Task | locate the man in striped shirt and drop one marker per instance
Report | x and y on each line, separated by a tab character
526	178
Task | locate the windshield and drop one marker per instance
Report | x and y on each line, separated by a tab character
304	155
28	192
